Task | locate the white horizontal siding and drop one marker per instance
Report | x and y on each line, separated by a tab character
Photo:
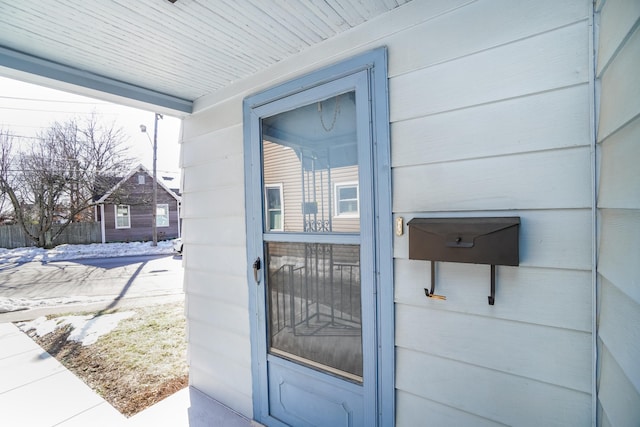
205	378
225	233
219	313
539	122
548	354
619	332
548	61
413	410
201	147
619	213
225	359
215	259
617	18
542	180
230	289
619	242
619	172
620	93
489	108
497	396
213	175
528	295
485	24
617	396
496	123
218	203
223	343
223	117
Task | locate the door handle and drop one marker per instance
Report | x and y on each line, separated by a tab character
256	268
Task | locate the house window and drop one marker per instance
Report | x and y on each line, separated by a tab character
123	219
140	179
162	215
347	200
275	215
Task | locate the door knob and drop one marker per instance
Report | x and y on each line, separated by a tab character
256	268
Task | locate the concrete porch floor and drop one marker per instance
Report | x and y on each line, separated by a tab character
37	391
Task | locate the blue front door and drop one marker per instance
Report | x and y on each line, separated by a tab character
310	189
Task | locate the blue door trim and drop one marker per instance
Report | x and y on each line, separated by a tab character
375	63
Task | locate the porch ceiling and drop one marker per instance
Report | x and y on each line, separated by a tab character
161	53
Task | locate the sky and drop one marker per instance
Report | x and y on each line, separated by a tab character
26	109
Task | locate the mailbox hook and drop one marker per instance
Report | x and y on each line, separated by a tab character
492	297
428	293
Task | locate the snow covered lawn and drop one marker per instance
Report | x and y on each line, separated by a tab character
94	250
85	329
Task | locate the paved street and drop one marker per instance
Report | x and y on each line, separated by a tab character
109	280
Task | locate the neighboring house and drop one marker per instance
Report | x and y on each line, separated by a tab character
447	109
329	200
125	211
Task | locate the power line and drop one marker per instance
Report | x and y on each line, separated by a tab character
54	100
66	170
55	111
13	135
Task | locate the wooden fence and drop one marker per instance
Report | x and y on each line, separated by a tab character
12	236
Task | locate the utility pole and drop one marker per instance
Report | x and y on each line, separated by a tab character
154	206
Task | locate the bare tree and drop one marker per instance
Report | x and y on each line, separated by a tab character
6	148
58	178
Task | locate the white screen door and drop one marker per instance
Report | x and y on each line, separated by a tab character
315	337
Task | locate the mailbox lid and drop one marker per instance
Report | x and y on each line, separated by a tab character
483	240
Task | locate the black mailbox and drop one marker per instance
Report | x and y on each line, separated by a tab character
492	241
473	240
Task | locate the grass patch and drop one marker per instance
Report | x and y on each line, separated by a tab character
137	364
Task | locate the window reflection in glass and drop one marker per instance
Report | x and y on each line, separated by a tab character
274	208
309	150
347	199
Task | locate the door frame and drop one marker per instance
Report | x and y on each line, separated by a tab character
375	64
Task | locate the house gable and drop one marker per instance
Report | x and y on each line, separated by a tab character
135	192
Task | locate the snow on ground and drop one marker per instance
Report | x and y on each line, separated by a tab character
17	304
11	257
94	250
85	329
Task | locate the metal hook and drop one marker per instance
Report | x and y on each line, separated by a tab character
428	293
492	297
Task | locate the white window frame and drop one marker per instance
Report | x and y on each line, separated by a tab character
115	211
336	192
141	179
267	187
168	216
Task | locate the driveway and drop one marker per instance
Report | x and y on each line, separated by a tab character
50	287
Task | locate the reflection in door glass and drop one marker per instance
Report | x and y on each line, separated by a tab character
274	208
314	305
311	152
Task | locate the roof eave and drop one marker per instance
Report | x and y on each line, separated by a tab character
33	68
